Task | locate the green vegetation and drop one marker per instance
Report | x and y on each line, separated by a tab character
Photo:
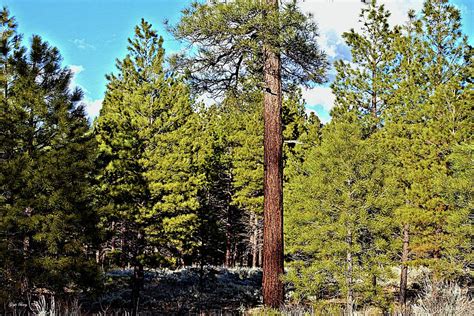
377	203
48	218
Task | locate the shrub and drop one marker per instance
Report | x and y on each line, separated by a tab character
443	298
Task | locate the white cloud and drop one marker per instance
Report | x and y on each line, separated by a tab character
328	42
319	96
207	99
82	44
342	15
76	70
335	17
92	107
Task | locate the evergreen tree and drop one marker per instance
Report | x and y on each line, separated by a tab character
220	220
332	230
363	89
149	181
429	118
229	39
236	127
365	83
237	150
248	171
47	222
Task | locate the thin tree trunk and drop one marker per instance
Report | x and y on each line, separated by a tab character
26	252
138	274
350	293
250	231
25	283
260	247
228	240
374	91
254	220
137	284
437	246
235	254
404	268
374	284
272	287
113	240
124	254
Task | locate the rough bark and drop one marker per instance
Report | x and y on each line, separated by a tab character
404	268
272	287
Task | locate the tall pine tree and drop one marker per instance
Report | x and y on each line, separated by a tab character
149	182
429	118
48	225
229	38
365	83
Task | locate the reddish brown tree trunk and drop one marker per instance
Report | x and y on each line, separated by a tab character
272	286
404	270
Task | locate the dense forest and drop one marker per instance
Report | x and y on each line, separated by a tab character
157	206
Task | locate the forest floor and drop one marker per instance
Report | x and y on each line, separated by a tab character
222	291
187	291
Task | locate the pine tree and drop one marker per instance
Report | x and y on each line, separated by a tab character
229	39
248	170
429	118
48	224
235	130
329	216
364	84
148	150
236	169
218	219
363	89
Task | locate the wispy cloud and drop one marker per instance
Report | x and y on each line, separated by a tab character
92	107
82	44
334	17
76	70
112	38
319	96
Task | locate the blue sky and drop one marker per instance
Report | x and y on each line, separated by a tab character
91	34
